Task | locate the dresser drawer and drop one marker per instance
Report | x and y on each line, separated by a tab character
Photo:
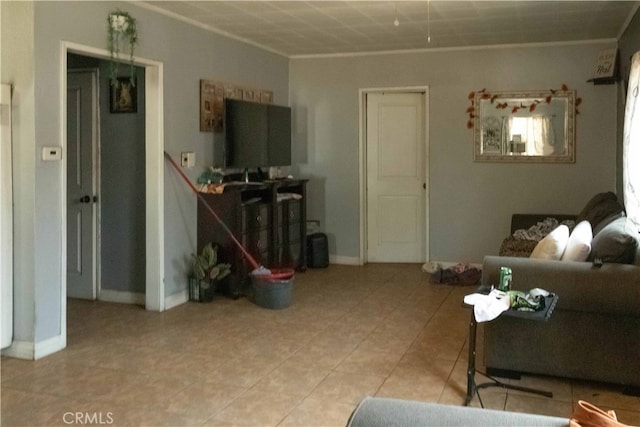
288	233
256	241
289	211
256	216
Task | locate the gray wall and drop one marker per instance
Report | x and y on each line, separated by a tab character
122	190
470	203
18	69
188	54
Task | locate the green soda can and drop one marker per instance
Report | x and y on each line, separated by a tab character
505	279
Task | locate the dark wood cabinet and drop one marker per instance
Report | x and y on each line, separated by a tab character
268	219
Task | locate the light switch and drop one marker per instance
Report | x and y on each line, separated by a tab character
188	159
51	153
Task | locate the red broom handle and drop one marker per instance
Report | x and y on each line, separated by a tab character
251	260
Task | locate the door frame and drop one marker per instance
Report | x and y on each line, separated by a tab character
362	160
6	220
95	179
154	174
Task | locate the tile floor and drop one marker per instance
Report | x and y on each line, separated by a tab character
381	330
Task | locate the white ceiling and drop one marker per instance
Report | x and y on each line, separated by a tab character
300	28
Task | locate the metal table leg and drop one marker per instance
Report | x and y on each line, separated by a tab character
472	387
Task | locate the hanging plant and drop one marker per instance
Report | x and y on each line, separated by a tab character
121	28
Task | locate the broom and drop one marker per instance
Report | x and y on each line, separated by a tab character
258	270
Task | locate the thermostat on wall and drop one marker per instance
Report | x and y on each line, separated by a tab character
51	153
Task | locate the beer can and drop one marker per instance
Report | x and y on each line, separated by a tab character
505	279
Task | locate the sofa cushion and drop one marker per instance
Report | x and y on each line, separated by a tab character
579	243
552	246
615	243
391	412
599	207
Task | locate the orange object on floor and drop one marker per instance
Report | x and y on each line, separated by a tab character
589	415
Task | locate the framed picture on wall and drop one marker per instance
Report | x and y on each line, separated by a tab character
212	96
209	108
123	96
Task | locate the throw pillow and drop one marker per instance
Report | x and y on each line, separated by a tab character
615	243
517	247
608	220
595	200
604	210
579	243
552	246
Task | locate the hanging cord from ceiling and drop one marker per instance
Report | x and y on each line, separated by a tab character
396	22
428	21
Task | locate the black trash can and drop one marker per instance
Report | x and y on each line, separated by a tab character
317	251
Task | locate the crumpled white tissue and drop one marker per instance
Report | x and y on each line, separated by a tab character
488	307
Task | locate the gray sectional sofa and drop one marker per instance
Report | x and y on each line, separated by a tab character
386	412
594	331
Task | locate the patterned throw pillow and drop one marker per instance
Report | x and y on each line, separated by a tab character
517	247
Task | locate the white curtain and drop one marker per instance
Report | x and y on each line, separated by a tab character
631	144
537	132
506	135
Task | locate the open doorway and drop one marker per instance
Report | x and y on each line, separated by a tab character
105	184
152	239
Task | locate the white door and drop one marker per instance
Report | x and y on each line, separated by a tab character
396	189
81	184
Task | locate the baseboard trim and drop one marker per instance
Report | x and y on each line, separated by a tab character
344	260
20	350
34	351
427	267
176	299
123	297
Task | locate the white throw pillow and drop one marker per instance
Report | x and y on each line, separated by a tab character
579	243
552	246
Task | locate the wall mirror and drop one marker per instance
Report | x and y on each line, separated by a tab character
535	126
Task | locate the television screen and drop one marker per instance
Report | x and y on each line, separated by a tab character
279	135
247	132
257	135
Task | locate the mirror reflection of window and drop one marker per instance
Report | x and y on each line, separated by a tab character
535	132
517	146
545	121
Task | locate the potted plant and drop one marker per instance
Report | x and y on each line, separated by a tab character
206	272
121	28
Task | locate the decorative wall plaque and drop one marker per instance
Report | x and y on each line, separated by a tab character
212	96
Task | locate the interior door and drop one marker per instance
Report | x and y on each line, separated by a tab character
396	191
81	184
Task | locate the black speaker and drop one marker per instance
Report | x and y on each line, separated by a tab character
317	250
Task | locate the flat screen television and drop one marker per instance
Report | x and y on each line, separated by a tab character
256	135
